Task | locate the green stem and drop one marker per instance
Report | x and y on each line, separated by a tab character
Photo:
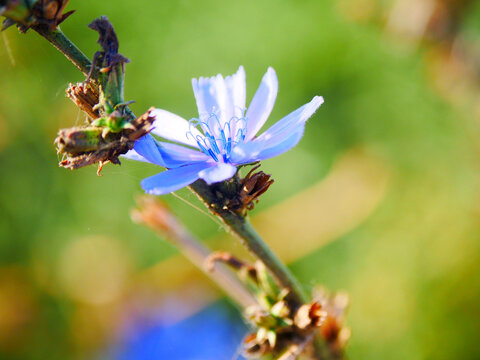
241	227
63	44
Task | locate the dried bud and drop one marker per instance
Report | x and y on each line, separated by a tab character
89	145
245	270
109	67
79	140
15	10
250	188
50	12
155	214
27	14
333	329
254	348
86	97
310	316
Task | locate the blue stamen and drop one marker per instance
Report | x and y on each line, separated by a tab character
218	141
212	154
229	145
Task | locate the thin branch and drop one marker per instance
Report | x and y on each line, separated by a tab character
241	227
155	215
63	44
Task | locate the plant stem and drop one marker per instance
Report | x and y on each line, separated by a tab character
154	214
63	44
241	227
58	39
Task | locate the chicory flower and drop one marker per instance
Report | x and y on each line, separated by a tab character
223	137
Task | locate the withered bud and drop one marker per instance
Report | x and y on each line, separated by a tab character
107	38
254	348
244	269
333	330
155	214
83	146
15	11
252	186
50	12
335	334
85	96
111	63
78	140
40	13
310	316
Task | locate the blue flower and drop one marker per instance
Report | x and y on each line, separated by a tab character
223	137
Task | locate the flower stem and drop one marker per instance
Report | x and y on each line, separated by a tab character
155	215
63	44
71	51
241	227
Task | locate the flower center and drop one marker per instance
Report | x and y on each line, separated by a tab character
218	139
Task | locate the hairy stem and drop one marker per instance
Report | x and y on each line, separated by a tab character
58	39
241	227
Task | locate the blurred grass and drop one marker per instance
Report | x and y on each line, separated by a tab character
411	269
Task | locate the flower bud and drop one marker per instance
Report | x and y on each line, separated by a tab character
30	13
108	66
15	10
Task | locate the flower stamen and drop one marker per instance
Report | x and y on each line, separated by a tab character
215	140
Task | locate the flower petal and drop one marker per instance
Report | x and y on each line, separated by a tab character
218	173
236	89
284	127
133	155
212	98
173	127
279	138
174	179
250	152
262	103
146	147
176	155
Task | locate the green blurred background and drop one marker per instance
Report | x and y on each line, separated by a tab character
389	166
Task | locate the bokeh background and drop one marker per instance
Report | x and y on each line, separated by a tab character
380	199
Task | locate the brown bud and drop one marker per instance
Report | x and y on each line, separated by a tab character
244	269
254	348
155	214
333	330
85	96
310	316
251	187
42	13
87	148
